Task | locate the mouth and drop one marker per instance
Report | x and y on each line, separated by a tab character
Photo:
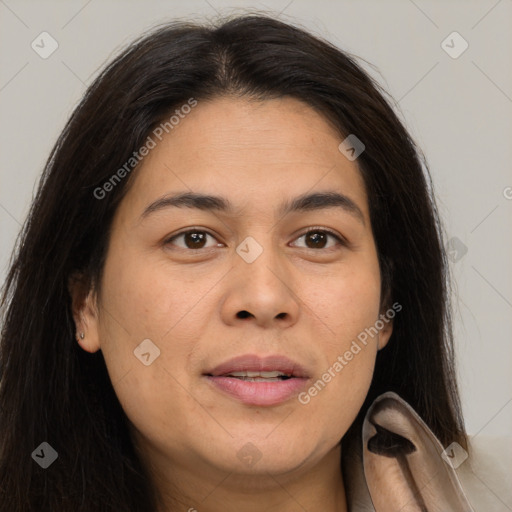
258	381
273	376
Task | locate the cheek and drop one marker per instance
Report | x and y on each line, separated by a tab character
338	391
148	297
347	302
357	306
144	300
348	306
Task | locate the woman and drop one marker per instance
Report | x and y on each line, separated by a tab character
230	292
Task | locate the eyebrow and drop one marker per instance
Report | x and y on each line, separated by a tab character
303	203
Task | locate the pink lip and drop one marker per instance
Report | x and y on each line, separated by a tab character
259	393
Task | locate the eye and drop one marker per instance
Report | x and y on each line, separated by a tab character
195	239
192	239
317	238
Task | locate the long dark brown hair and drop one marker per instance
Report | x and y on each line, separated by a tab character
53	391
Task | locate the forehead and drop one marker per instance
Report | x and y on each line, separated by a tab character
252	152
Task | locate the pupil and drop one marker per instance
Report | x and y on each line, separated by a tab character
317	237
196	239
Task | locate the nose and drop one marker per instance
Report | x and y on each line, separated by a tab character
261	292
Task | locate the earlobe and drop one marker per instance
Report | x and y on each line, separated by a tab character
386	329
85	314
385	334
388	311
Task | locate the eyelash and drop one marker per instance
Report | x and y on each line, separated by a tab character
340	239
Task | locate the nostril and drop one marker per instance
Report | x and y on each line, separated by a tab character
243	314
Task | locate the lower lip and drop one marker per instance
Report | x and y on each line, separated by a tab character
259	393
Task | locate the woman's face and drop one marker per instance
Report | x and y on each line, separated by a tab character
247	282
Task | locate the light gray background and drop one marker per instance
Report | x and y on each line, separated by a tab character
458	110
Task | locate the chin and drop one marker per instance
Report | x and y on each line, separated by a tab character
253	455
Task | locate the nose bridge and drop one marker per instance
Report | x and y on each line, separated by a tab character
261	284
259	260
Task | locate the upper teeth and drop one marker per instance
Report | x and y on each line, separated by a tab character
267	375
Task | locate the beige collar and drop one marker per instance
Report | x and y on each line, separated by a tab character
398	464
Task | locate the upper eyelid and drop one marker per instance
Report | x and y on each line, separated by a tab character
189	230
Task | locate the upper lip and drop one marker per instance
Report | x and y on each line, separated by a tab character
254	363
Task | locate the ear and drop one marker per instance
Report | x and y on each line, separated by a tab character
387	313
386	331
85	313
387	310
